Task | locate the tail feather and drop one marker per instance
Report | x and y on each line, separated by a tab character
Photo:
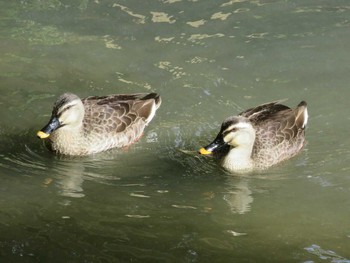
156	98
302	115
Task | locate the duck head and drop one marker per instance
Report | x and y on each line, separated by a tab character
235	132
68	113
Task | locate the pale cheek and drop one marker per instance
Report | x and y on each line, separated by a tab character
228	138
64	120
231	140
233	143
71	118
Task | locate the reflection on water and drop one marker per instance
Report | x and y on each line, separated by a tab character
159	200
66	173
71	183
240	197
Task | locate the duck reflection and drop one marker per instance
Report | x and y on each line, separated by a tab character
238	196
70	173
71	179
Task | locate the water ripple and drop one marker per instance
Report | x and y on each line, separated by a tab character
329	255
25	155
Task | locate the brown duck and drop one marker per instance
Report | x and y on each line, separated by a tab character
95	124
260	137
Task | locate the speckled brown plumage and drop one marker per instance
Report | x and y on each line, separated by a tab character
260	137
107	122
280	132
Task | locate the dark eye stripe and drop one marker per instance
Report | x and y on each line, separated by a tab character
65	109
230	130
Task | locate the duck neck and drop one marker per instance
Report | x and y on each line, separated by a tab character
238	159
67	141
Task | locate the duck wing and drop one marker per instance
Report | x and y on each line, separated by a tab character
120	112
282	126
263	112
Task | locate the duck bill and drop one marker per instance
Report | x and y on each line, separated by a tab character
53	125
214	146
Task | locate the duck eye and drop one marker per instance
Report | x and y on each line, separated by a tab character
228	131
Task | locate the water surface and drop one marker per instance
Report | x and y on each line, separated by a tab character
154	202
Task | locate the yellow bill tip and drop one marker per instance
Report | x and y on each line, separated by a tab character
42	135
204	151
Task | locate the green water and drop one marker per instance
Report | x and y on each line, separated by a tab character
153	202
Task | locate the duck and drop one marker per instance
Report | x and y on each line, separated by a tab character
94	124
259	137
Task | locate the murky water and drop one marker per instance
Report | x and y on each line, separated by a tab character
154	202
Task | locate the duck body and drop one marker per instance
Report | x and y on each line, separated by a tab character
260	137
95	124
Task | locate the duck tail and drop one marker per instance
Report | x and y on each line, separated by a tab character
156	97
302	115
